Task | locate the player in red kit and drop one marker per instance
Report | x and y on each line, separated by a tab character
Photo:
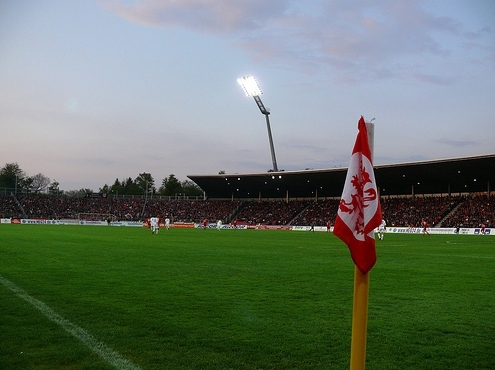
425	225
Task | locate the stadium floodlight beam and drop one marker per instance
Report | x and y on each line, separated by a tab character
251	88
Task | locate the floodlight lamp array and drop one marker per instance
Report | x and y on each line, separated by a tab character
249	85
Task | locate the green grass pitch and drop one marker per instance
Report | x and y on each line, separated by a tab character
242	299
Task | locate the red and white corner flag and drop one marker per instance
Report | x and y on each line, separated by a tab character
359	209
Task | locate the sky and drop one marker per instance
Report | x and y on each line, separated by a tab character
98	90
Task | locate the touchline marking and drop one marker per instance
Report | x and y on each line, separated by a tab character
100	348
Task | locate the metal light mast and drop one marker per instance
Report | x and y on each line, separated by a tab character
251	88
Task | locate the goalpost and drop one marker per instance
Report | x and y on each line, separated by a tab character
96	217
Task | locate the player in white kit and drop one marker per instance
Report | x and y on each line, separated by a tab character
381	229
155	225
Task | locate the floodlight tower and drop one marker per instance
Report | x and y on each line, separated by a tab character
251	88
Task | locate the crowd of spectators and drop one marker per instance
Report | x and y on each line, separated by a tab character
123	209
446	211
473	212
270	212
410	211
9	207
181	210
317	213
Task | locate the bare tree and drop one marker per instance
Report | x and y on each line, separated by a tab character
39	183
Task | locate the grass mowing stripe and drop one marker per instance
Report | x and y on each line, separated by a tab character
100	348
448	255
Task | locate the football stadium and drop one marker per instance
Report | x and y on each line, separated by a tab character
86	285
377	260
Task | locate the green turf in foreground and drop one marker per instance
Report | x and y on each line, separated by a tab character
242	299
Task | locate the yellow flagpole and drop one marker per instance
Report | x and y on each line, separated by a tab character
359	320
361	292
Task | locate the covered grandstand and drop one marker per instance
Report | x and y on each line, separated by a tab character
452	176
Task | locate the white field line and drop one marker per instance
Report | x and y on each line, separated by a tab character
100	348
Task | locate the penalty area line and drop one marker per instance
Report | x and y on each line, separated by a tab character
100	348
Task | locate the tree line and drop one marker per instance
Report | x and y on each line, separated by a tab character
14	178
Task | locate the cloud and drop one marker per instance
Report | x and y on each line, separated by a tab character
484	31
434	79
375	40
212	16
457	143
304	147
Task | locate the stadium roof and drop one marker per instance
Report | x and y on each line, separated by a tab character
444	176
